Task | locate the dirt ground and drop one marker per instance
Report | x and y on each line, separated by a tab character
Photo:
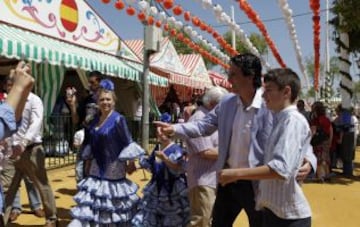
334	204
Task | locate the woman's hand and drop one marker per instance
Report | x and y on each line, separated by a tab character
161	155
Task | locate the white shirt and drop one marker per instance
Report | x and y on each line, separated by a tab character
284	153
241	132
355	122
30	129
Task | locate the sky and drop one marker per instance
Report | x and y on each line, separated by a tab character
128	27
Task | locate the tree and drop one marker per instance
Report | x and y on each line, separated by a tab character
180	47
346	35
356	90
310	67
349	10
333	74
310	93
257	40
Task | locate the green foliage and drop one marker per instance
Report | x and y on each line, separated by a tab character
349	10
333	73
257	39
310	93
260	43
356	91
310	68
357	88
334	70
180	47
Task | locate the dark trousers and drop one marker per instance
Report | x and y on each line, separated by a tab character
271	220
230	200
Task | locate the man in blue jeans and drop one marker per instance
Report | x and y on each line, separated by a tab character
8	173
34	200
11	110
28	157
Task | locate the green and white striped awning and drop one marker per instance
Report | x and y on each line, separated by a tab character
153	78
21	44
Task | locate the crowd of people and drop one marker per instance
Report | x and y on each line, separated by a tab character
334	138
248	149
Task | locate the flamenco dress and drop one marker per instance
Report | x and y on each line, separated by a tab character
165	199
106	197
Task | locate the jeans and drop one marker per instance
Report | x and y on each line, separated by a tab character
7	174
32	164
33	195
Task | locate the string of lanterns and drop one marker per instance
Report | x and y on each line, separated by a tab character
197	22
287	13
255	18
172	26
147	14
315	7
223	18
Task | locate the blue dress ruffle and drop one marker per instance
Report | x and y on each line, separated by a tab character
165	201
106	197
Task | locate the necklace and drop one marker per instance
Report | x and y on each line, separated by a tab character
103	121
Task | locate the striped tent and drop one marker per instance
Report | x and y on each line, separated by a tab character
219	79
53	57
159	64
195	67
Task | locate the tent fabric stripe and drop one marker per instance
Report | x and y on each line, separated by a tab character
137	47
174	77
153	78
189	61
14	41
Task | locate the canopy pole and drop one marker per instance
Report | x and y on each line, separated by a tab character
145	100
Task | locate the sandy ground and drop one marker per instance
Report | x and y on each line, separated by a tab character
334	204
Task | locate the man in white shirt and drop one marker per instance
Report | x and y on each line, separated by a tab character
29	158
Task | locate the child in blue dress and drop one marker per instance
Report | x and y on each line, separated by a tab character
165	201
106	197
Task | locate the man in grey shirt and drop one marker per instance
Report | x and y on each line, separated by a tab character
200	168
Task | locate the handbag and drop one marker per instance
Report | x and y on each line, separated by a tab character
319	137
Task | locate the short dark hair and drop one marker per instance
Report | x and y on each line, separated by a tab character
250	65
283	77
301	101
98	75
319	108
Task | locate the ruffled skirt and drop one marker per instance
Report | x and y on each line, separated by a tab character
163	209
104	203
